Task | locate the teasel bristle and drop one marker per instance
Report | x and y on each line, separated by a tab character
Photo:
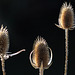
38	41
4	40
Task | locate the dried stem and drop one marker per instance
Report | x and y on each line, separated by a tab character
41	70
66	55
3	65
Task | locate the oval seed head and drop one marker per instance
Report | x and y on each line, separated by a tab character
66	17
41	52
4	41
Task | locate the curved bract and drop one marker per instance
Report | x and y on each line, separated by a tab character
33	63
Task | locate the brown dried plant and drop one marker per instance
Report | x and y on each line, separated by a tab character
40	56
66	22
4	46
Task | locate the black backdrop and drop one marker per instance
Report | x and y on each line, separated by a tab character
25	20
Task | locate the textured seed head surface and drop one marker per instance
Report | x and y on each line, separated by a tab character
41	52
66	17
4	41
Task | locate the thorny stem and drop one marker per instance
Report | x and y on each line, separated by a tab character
3	65
41	70
66	55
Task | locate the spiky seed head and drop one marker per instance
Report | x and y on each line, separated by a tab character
4	40
66	17
41	52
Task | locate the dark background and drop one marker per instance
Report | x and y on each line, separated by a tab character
25	20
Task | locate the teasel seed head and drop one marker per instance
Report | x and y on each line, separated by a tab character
66	17
4	45
4	40
41	53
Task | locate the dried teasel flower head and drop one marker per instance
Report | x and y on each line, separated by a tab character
4	44
4	40
41	54
66	17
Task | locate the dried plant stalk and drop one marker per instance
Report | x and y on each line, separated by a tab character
3	65
66	55
41	70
